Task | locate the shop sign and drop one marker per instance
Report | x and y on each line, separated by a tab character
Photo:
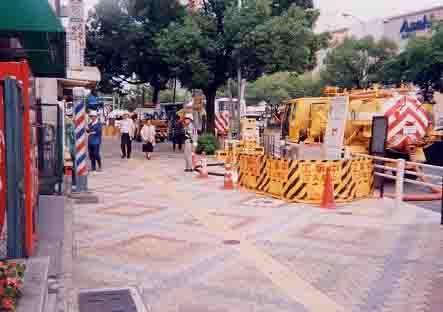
412	27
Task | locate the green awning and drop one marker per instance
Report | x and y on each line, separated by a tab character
40	33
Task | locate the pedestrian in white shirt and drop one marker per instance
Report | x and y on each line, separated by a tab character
190	141
148	136
127	131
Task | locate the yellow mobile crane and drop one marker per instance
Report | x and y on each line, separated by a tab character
305	120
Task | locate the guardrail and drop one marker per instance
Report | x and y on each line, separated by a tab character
398	172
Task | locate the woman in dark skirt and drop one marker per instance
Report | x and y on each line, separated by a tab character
148	137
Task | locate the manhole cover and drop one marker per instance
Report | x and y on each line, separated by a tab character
86	200
106	301
345	213
231	242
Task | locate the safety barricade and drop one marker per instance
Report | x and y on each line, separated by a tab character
250	170
303	180
221	155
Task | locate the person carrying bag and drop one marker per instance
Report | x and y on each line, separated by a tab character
148	137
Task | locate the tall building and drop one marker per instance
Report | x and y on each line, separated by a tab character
403	27
400	29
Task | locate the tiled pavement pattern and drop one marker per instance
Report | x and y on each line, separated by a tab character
162	230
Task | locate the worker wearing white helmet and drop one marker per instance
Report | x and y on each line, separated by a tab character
190	140
94	131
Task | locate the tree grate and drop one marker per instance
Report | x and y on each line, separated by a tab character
107	301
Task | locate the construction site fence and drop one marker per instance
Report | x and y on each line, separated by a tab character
303	180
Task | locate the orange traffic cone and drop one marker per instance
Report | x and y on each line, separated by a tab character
328	201
204	167
228	182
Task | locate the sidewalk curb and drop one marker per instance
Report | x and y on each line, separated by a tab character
70	302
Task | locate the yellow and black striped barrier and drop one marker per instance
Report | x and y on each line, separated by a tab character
255	165
303	180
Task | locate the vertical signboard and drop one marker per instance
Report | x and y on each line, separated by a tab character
335	131
76	35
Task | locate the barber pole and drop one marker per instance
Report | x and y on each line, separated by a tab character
80	138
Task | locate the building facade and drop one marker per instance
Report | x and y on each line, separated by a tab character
398	28
401	28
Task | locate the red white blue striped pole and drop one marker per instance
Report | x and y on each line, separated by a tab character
81	168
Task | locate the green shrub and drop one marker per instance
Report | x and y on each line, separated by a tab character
207	143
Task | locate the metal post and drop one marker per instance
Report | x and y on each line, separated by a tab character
60	149
399	182
239	95
80	139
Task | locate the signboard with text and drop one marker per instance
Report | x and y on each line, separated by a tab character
335	131
76	35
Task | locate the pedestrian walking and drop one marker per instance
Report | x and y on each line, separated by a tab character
94	131
148	136
177	134
190	136
127	131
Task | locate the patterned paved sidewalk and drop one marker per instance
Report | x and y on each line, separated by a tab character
163	231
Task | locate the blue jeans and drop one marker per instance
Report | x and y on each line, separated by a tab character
94	156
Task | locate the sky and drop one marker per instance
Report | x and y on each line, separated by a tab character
332	10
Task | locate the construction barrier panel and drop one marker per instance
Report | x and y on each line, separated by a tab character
250	178
303	180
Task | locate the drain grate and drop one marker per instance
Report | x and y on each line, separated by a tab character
231	242
88	199
345	213
107	301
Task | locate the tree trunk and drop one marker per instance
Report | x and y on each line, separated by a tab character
155	95
210	109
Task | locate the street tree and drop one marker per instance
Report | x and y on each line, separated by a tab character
121	41
280	6
421	63
357	63
212	42
282	86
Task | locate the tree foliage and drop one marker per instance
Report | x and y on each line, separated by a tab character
420	63
121	41
283	86
356	63
207	47
280	6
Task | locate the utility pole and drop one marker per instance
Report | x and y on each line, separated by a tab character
239	82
